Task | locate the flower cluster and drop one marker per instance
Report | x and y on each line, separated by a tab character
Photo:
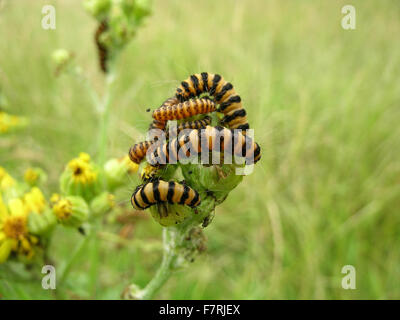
25	218
118	23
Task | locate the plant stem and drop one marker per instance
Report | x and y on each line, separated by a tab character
74	256
165	269
173	238
103	109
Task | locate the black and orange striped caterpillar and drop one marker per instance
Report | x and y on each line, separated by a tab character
101	48
139	150
204	141
224	94
194	124
184	109
154	192
161	124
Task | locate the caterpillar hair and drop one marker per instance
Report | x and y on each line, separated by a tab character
101	48
203	141
229	101
154	192
184	110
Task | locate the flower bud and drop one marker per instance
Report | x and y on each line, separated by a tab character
102	204
216	180
40	218
118	170
168	214
62	59
41	223
97	8
34	176
71	211
80	178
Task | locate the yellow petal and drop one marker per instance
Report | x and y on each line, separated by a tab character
3	209
5	249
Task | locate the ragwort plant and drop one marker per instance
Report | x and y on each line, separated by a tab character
87	185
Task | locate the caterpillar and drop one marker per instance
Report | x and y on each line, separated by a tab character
139	150
161	124
101	48
195	124
184	109
203	141
229	101
154	192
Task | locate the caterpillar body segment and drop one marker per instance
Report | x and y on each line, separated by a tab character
223	93
184	109
162	124
194	124
139	150
159	191
102	50
203	141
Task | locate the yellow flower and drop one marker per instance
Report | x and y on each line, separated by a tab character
132	167
148	172
80	178
62	209
54	198
82	170
6	181
31	176
14	234
71	211
35	201
8	122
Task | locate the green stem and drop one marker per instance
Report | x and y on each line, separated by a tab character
103	109
173	238
166	268
77	252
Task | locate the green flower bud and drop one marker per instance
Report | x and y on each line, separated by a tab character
71	211
97	8
168	214
35	176
41	223
217	180
80	178
62	60
102	204
118	170
61	56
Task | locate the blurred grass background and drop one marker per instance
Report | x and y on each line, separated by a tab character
325	106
